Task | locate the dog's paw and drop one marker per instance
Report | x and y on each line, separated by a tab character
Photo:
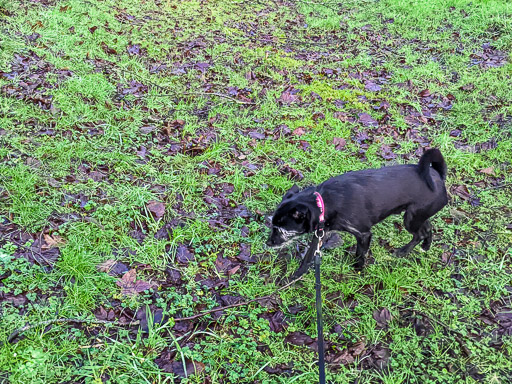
401	252
359	265
332	240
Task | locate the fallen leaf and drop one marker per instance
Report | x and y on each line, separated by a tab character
301	339
424	93
183	255
488	171
358	348
112	267
52	241
133	49
468	87
288	98
342	358
461	191
191	368
372	87
367	120
339	143
233	270
299	131
131	287
257	135
106	266
156	208
107	49
382	317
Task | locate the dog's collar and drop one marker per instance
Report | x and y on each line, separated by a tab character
320	204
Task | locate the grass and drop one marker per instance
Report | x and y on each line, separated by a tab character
128	84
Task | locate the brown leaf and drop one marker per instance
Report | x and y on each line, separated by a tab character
52	241
133	49
372	87
129	286
367	120
233	270
461	191
113	267
358	348
106	266
382	317
299	339
299	131
468	87
339	143
288	98
318	116
257	135
183	255
305	145
191	368
343	116
424	93
107	49
488	171
156	208
173	126
342	358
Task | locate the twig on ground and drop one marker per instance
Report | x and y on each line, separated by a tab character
458	335
499	186
39	254
325	5
237	305
220	95
27	327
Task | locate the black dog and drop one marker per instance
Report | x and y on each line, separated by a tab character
355	201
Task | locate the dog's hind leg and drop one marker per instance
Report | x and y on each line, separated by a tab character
420	229
428	240
363	243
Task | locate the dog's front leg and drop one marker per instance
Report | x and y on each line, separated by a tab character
363	243
306	261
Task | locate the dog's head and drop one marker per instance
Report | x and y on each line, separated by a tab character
292	218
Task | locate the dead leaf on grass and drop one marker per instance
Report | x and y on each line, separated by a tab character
488	171
156	208
130	286
339	143
382	317
52	241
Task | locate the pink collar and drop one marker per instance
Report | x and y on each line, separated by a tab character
320	204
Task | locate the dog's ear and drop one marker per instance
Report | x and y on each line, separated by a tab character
301	213
298	215
293	190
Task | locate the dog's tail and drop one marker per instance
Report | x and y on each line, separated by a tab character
432	156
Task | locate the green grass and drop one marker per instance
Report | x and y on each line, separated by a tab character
328	51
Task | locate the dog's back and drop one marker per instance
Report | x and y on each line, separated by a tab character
368	196
355	201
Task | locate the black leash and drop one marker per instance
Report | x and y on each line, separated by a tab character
314	251
319	317
319	234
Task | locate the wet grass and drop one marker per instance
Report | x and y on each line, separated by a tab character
215	109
